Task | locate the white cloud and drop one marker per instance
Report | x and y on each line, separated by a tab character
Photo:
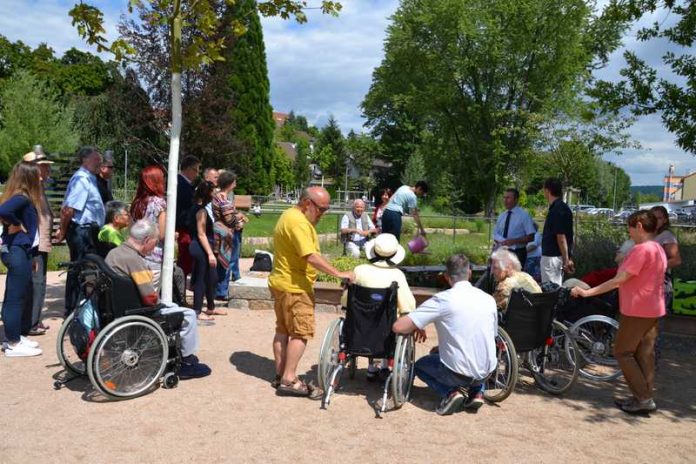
325	66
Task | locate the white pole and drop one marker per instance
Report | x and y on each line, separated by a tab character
613	204
172	168
125	176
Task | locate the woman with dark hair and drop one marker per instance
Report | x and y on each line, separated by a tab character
641	304
20	240
204	276
384	196
228	224
669	242
150	203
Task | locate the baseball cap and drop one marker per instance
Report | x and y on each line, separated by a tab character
32	157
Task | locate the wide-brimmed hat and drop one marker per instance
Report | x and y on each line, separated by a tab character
385	250
32	157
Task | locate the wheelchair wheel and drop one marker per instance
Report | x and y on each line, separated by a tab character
595	337
404	360
67	356
128	357
555	368
503	379
328	354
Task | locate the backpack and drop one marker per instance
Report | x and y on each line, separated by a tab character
84	328
263	262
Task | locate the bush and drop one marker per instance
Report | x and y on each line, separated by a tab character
596	244
342	263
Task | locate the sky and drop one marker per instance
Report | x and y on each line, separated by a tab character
325	67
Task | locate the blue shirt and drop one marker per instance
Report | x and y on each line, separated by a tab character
83	196
18	210
521	225
403	200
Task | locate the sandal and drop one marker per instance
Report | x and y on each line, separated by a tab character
275	383
215	312
204	316
296	388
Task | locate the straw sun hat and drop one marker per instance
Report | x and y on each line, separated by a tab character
385	250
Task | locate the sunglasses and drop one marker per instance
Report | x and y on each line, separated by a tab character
320	208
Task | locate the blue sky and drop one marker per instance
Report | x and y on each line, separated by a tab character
325	67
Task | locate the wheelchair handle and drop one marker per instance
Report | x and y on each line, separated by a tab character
67	264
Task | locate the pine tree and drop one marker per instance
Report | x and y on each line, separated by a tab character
332	150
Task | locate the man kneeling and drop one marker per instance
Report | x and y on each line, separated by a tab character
466	320
128	259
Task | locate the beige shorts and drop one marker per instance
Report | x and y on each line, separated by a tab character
294	314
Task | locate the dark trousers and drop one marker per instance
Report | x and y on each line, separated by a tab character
521	254
391	223
38	277
204	278
17	304
81	241
440	378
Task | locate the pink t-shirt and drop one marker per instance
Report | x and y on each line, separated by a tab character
643	294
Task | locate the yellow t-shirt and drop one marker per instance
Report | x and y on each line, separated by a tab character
294	238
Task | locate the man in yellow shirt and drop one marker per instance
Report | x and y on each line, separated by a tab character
297	260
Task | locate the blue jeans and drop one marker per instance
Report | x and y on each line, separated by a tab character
232	271
17	305
39	283
440	378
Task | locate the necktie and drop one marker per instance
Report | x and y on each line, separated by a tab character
507	224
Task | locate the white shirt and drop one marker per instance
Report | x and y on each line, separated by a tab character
521	225
536	252
466	320
345	222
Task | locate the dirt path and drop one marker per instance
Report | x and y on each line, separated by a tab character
234	415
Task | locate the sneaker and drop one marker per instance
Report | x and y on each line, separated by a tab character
193	371
451	403
20	350
27	342
474	402
372	372
636	407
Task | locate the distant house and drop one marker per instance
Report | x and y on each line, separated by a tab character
280	118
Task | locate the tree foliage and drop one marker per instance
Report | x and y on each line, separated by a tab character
332	150
32	113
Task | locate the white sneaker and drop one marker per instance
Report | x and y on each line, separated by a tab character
20	350
30	343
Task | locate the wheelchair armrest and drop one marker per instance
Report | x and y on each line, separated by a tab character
148	311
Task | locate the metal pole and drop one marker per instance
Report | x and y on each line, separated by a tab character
613	204
125	177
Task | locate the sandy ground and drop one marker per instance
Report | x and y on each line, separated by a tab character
234	415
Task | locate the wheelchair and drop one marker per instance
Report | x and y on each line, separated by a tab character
125	349
529	328
366	331
592	323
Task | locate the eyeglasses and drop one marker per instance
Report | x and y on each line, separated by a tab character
321	209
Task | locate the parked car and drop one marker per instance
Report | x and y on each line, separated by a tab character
608	212
581	208
622	216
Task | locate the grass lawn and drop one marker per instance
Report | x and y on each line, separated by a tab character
263	226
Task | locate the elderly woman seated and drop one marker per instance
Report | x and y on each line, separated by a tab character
508	273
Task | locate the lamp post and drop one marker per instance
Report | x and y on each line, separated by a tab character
613	204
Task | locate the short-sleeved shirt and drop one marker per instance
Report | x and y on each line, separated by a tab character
294	238
466	321
403	200
666	237
559	220
83	196
345	224
643	294
520	225
126	260
110	234
381	276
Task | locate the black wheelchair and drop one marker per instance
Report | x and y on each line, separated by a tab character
124	348
366	331
529	327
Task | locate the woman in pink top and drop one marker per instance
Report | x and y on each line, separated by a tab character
641	303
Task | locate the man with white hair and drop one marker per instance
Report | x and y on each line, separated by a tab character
127	259
356	228
508	273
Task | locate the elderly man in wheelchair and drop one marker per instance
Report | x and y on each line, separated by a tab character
128	260
466	321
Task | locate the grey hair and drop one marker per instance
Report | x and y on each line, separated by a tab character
457	267
108	156
502	258
358	200
85	152
143	229
113	208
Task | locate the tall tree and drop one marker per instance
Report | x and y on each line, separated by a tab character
489	74
201	19
332	150
301	167
32	113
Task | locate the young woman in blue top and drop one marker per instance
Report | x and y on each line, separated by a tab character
20	239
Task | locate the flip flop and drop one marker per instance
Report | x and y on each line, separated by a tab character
216	312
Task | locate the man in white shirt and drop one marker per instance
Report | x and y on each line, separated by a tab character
515	227
466	321
356	228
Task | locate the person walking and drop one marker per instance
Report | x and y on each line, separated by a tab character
40	260
20	239
297	260
557	238
514	228
641	303
81	217
404	201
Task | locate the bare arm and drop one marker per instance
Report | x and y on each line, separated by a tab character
321	264
673	256
568	264
404	325
416	217
66	215
201	218
607	286
161	223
